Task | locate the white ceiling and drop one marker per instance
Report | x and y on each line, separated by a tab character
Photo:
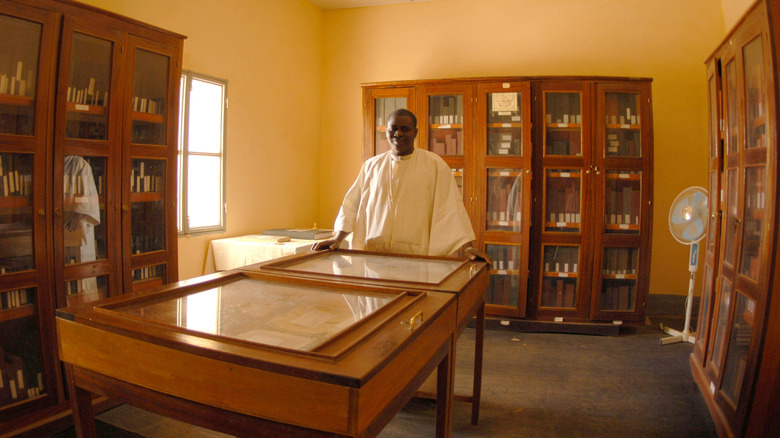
342	4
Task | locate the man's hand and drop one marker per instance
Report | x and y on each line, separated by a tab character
330	244
475	254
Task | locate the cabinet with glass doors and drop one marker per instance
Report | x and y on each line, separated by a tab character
496	134
736	355
67	216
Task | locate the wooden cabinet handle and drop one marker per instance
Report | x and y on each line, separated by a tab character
41	212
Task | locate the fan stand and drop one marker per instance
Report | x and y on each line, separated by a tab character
686	335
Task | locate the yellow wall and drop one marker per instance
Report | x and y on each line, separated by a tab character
294	123
667	40
270	51
733	11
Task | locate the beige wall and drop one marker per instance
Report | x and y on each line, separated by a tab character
294	123
270	51
667	40
733	11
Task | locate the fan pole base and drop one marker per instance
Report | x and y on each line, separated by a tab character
677	336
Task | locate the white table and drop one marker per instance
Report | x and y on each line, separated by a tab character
235	252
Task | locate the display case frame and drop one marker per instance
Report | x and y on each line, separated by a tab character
353	393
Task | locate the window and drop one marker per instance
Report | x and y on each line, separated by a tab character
201	154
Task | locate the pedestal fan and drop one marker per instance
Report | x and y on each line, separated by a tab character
688	225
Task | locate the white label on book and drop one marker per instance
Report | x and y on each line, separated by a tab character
506	137
515	118
82	107
558	319
505	85
617	322
624	175
503	223
625	126
563	125
506	144
505	113
501	272
565	174
620	276
560	224
563	274
623	226
503	151
445	126
503	173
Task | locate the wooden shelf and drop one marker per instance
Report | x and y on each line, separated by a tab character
632	227
12	99
563	125
446	126
624	176
504	272
505	125
147	117
14	201
80	108
146	196
561	274
606	276
575	174
624	127
17	312
562	225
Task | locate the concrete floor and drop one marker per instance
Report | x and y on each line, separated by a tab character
538	385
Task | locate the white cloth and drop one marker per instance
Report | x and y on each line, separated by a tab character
406	207
81	198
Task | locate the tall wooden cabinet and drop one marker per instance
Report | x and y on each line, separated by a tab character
88	116
587	141
736	356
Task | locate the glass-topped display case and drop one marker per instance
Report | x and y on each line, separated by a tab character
237	344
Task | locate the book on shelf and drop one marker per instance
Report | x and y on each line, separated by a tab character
300	233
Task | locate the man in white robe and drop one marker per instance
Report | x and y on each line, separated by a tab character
404	201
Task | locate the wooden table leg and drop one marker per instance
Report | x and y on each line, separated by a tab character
81	405
479	346
445	379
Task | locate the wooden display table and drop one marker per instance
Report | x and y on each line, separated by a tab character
465	279
254	355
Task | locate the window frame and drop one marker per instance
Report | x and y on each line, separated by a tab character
183	154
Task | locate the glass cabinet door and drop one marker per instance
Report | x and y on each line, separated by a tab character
621	194
20	40
27	377
503	209
562	203
623	122
619	275
559	276
562	123
149	98
148	211
379	104
89	84
445	121
86	155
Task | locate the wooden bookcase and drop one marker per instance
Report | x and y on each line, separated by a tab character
494	134
88	117
736	355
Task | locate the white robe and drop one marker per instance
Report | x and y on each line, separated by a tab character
81	196
422	215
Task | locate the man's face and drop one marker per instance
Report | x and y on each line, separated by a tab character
401	133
